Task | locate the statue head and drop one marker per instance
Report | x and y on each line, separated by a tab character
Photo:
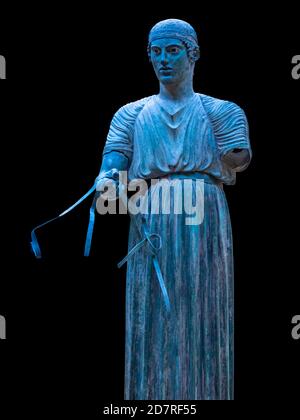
173	50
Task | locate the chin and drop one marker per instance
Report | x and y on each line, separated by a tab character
167	80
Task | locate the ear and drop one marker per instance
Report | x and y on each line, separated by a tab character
195	55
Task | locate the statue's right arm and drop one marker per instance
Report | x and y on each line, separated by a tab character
118	149
112	163
114	160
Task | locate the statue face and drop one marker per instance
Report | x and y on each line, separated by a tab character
170	60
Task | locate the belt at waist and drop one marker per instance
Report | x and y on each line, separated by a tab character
189	175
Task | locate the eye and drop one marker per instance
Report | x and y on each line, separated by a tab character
174	50
155	50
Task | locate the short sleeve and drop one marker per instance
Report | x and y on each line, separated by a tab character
120	135
231	128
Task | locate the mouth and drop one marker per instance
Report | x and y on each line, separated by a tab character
164	69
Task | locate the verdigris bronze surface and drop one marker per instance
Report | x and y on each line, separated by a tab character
178	134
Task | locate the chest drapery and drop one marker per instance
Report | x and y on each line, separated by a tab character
194	139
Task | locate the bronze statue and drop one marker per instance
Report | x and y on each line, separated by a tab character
179	147
179	330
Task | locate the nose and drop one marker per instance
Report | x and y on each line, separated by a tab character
164	58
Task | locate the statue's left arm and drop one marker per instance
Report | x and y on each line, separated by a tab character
233	137
237	159
231	131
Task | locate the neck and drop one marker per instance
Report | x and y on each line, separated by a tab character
177	91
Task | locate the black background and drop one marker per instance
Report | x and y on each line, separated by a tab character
67	73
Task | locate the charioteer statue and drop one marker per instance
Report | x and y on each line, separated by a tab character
179	284
185	352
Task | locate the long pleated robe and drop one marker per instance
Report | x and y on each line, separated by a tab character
186	354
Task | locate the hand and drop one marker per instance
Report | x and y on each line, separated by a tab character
108	187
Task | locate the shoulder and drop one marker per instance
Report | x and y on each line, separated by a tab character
219	109
125	117
132	109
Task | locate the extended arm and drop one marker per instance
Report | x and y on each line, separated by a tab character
112	163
